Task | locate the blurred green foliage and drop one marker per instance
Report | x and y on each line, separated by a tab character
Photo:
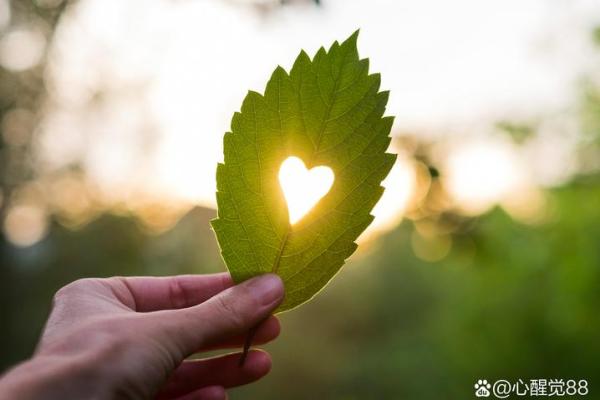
509	301
518	132
596	35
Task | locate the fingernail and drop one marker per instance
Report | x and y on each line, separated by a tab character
267	288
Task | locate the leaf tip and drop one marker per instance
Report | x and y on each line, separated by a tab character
352	39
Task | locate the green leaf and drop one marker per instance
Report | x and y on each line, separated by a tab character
327	111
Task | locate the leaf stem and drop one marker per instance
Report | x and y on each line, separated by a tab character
252	332
248	344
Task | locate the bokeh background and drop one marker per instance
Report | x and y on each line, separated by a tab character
483	260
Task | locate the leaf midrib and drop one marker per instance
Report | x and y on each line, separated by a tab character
315	151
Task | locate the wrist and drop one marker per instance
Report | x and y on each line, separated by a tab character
50	377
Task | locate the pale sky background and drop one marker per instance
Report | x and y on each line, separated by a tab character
171	74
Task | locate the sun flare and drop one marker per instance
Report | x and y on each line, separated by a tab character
303	188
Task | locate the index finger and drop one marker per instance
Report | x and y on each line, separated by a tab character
174	292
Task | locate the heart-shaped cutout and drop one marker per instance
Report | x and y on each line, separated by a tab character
303	188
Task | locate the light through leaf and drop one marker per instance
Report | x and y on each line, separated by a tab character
303	188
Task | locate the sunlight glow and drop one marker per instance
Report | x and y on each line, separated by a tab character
400	187
25	225
303	188
21	49
172	128
483	173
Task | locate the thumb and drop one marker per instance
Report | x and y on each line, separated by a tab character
231	312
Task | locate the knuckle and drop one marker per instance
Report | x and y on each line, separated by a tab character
74	289
76	285
177	294
68	289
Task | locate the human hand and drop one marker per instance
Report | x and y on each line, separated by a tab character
130	337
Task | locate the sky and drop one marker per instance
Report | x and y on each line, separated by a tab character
141	92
